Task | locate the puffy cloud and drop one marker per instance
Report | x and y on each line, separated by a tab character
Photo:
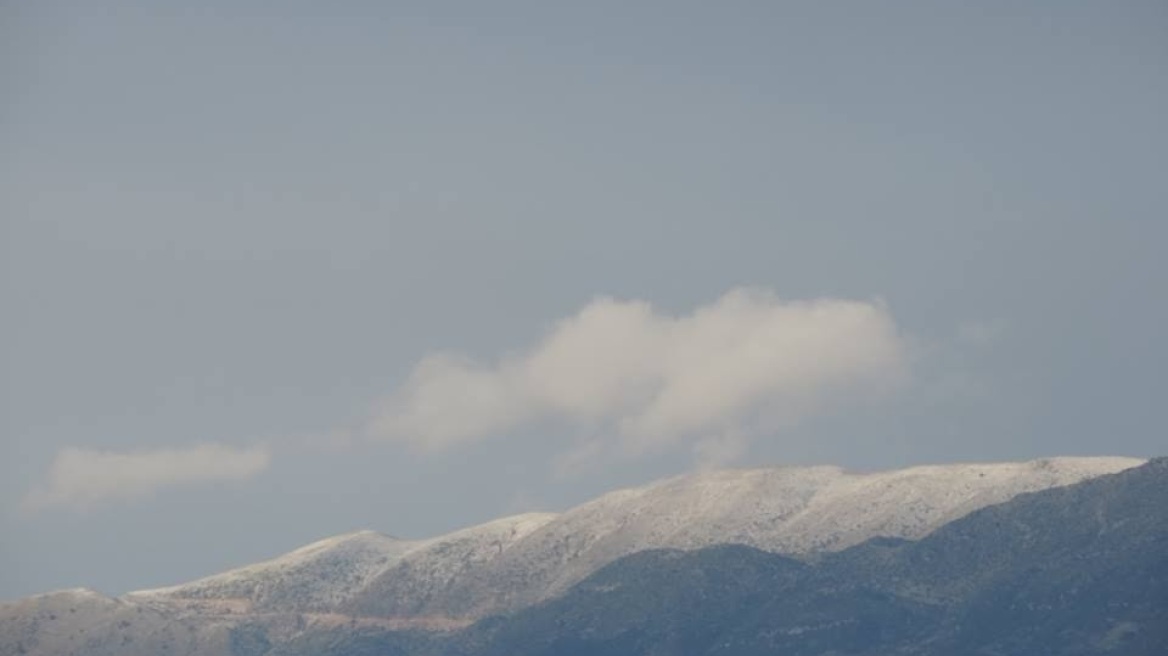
82	478
714	378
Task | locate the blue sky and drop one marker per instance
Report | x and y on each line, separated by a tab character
237	237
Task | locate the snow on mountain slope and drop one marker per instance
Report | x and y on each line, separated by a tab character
319	577
515	561
315	577
429	581
82	622
791	510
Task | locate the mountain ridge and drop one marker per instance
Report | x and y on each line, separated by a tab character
1074	570
366	583
514	561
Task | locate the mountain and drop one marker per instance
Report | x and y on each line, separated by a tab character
369	587
323	576
514	562
1073	571
313	578
84	623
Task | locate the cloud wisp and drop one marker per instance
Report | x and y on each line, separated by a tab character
713	379
83	478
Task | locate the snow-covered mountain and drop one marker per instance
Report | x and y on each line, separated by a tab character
315	577
81	622
332	595
515	561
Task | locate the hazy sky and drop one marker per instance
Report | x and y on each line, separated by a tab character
271	274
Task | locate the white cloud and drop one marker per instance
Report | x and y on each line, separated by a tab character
82	478
744	365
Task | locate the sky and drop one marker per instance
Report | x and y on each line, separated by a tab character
273	273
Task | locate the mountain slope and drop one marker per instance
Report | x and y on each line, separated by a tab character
797	511
375	588
315	577
1077	570
1081	570
517	561
82	622
320	577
